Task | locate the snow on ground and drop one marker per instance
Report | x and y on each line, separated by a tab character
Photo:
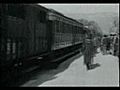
73	73
76	75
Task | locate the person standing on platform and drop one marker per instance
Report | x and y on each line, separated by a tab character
89	53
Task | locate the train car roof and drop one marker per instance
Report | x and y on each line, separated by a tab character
53	11
58	13
38	6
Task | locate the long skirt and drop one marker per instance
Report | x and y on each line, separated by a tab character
89	54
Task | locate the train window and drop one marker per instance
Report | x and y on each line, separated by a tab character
57	29
64	31
76	29
42	16
16	10
1	8
69	29
14	47
0	21
66	28
0	11
63	27
57	26
8	46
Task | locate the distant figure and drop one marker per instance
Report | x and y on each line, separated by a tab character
116	46
108	46
104	45
111	40
89	53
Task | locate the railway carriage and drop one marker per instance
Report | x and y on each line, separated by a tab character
29	31
67	33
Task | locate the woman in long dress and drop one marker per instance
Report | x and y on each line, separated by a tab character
89	52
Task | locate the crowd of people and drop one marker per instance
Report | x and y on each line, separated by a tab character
108	44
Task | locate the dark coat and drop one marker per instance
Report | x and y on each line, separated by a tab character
89	51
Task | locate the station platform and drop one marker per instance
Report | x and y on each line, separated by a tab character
73	73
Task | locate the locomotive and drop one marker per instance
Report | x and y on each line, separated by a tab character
31	34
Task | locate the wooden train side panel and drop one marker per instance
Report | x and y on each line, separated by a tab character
16	34
63	35
14	38
20	36
3	35
50	35
37	28
41	37
41	32
30	30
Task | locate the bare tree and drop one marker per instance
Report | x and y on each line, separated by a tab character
84	21
92	25
95	28
115	26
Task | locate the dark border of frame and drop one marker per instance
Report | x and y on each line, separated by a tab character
59	1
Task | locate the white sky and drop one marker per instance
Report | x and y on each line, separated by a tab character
83	8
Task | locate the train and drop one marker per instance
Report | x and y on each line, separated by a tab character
31	34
